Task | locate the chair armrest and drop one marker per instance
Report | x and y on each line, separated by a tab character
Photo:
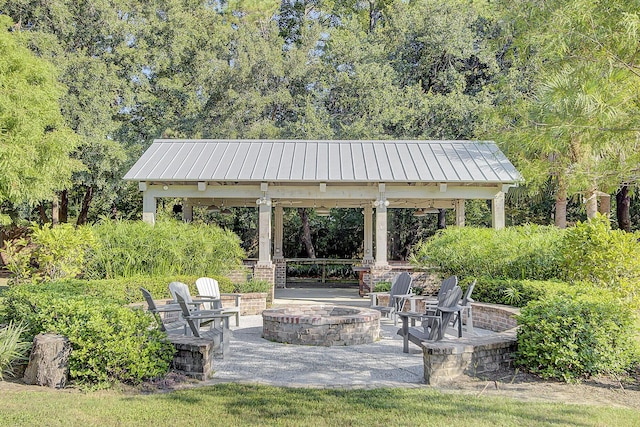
236	296
167	308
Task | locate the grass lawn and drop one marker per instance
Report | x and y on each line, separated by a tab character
235	404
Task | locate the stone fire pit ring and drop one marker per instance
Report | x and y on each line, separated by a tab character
321	325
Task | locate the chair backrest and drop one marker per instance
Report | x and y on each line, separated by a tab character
449	300
466	299
401	286
175	287
149	299
194	326
446	285
208	287
153	308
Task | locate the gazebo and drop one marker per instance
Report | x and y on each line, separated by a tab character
370	175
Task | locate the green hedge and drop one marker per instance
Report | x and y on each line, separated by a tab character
524	252
569	338
110	342
517	293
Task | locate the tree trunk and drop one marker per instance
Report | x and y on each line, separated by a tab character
55	210
561	204
64	206
623	205
43	213
306	233
591	203
442	219
86	201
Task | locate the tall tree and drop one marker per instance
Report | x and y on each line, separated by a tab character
34	141
579	120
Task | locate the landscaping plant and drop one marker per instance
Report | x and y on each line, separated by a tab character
13	348
135	248
110	342
573	337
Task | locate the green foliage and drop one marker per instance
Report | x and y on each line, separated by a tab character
527	251
382	287
593	252
12	348
250	286
569	338
129	249
515	292
53	253
110	343
35	143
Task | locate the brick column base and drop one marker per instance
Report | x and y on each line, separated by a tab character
281	273
266	272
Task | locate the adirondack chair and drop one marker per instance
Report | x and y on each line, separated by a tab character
434	325
465	312
400	289
196	318
175	326
208	288
175	287
446	285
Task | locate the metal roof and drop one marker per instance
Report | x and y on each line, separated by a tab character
323	161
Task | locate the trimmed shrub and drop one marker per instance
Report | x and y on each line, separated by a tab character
593	252
569	338
110	343
523	252
382	287
250	286
168	248
517	293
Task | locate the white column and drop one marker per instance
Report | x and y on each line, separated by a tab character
460	215
497	211
278	251
368	235
381	233
187	210
148	208
264	230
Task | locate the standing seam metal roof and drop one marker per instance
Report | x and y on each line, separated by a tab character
324	161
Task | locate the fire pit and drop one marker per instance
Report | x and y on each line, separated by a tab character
322	325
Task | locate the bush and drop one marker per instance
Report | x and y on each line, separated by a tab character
569	338
130	249
382	287
12	348
593	252
251	286
523	252
50	253
517	293
110	343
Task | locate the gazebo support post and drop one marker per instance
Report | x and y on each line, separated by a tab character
187	210
497	211
368	235
264	269
148	208
460	214
278	251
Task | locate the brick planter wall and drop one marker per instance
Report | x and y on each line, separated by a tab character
446	359
250	303
194	356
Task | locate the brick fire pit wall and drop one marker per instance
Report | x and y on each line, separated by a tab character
321	325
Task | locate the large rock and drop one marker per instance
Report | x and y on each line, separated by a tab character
49	361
